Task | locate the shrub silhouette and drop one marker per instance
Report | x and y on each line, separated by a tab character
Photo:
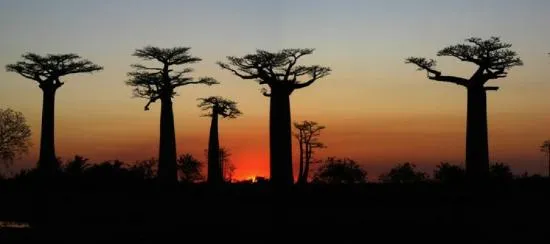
340	171
403	173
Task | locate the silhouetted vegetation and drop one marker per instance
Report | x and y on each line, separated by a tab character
47	71
340	171
281	73
15	136
449	174
403	173
217	106
308	138
500	173
159	83
494	59
189	168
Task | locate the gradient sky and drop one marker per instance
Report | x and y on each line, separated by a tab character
378	110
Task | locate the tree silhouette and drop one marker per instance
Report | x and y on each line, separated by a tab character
449	174
15	135
403	173
189	168
77	166
493	59
500	172
545	148
340	171
307	136
215	107
47	71
159	83
280	72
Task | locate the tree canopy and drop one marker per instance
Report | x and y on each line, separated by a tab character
276	68
153	83
47	69
15	135
219	105
492	56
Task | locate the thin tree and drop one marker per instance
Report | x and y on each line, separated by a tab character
545	148
160	83
308	139
215	107
15	135
47	71
493	59
282	75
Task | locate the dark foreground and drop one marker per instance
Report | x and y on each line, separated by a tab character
518	211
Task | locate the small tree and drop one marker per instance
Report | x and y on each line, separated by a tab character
308	139
281	73
340	171
189	168
15	136
403	173
493	59
545	148
47	72
217	106
160	83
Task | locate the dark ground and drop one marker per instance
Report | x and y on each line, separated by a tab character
518	212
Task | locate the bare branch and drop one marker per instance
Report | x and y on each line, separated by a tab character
432	74
316	72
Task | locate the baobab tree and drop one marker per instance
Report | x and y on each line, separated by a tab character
493	59
160	83
308	137
47	71
215	107
545	148
282	75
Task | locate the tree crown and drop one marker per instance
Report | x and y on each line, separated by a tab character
154	83
276	68
15	135
219	106
492	57
47	69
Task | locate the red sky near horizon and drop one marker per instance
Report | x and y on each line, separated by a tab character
377	110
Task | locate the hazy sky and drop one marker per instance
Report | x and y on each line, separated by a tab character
378	110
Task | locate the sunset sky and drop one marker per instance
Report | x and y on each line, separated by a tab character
378	110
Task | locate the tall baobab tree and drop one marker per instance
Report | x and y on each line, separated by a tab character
282	75
47	71
493	59
308	137
545	148
215	107
160	83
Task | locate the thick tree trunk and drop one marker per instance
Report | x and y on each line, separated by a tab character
280	139
215	175
477	145
47	161
167	172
